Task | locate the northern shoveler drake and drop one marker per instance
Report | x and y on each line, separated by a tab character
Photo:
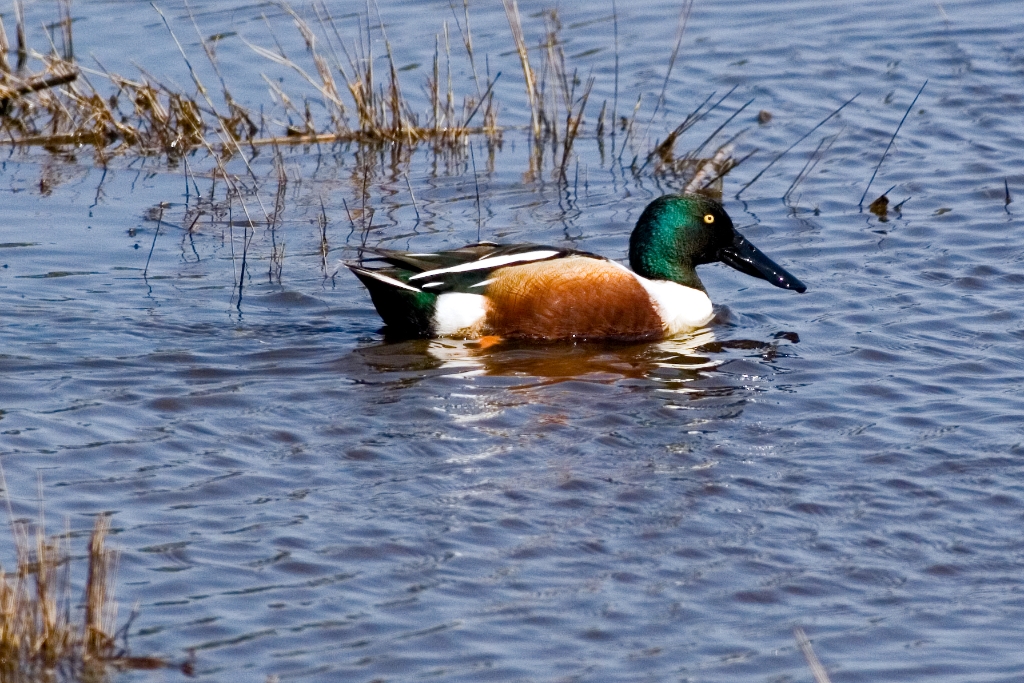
539	292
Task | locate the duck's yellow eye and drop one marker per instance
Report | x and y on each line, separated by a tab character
709	219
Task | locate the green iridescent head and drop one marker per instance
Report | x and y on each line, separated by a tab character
677	233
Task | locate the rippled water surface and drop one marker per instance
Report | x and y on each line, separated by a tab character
295	496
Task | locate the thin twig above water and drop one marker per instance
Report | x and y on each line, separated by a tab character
860	204
788	149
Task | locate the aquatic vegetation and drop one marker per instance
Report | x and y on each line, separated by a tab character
813	663
39	640
58	103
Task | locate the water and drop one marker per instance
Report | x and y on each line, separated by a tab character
293	495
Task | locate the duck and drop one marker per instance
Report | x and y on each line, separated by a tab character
535	292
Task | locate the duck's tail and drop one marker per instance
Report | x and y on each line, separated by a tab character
406	310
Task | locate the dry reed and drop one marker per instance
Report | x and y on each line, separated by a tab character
815	665
39	641
58	106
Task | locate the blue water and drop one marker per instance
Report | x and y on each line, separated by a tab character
294	496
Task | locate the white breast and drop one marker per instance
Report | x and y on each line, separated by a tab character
681	308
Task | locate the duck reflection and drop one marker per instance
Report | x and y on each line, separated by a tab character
673	363
566	361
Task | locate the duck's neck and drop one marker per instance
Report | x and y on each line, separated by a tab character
658	253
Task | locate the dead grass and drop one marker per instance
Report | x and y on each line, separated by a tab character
382	113
39	639
58	103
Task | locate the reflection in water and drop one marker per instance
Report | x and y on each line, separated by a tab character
550	362
673	364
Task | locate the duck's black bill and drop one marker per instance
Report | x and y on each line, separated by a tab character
746	258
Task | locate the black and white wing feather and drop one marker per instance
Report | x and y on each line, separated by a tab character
467	269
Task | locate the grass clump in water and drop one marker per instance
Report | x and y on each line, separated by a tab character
39	641
58	106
